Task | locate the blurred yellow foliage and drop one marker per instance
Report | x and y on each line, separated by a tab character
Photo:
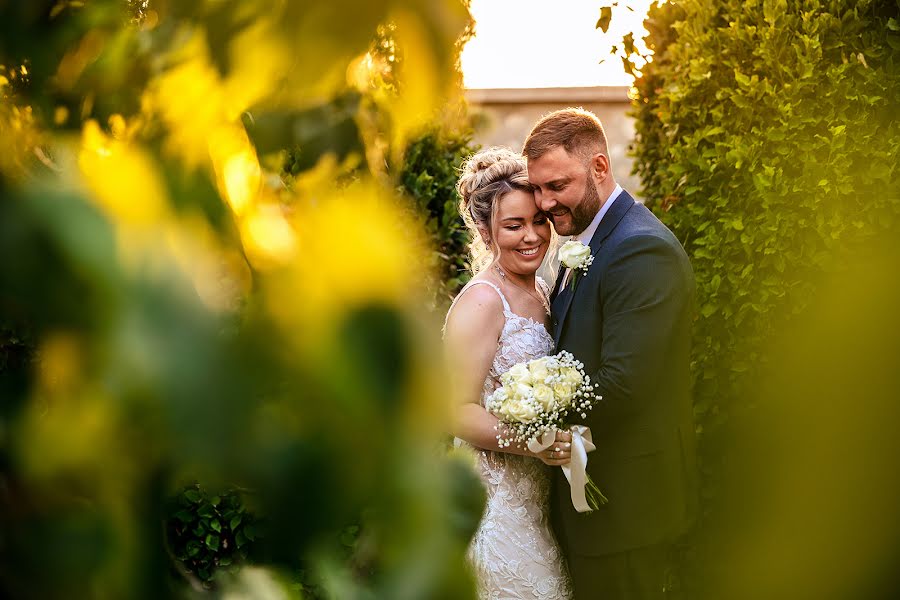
268	238
123	179
157	380
236	165
355	247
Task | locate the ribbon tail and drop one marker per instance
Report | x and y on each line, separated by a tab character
576	470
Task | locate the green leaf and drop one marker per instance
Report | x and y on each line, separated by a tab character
235	521
212	541
741	78
893	25
194	496
184	516
215	525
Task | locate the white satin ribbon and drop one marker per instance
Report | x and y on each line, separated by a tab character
576	470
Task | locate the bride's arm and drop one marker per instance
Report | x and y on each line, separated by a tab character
470	341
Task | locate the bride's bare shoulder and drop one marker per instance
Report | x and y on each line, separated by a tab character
478	309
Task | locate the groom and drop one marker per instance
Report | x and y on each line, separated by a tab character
628	320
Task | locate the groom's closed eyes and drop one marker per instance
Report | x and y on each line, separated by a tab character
556	185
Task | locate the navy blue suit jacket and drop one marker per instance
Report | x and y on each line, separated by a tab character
629	321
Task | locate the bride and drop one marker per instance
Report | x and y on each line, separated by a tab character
499	319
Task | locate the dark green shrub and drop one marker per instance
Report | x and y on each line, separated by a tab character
206	533
428	175
767	140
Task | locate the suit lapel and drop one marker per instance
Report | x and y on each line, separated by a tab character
557	283
563	300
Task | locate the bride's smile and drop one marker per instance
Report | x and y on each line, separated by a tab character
522	233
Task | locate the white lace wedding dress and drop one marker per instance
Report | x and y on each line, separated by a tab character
514	553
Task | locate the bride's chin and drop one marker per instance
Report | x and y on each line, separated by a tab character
524	267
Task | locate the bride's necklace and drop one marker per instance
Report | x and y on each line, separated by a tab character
540	298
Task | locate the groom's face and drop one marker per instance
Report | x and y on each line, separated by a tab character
564	190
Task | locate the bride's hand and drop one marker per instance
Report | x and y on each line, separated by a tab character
560	452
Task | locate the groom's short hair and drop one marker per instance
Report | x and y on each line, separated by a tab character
577	130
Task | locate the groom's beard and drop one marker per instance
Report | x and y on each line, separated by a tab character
586	210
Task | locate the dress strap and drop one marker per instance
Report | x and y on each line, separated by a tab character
544	288
506	309
496	289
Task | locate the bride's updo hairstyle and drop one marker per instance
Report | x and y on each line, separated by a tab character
484	180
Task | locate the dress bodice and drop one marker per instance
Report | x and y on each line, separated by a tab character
521	340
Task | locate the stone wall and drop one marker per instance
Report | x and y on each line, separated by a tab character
505	116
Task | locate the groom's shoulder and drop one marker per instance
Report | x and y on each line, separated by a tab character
644	233
641	222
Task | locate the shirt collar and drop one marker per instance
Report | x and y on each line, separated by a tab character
585	236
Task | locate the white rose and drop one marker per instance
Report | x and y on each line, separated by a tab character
519	373
520	411
564	392
573	254
521	390
539	370
572	376
545	397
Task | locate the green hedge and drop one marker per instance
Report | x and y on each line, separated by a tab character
428	175
767	140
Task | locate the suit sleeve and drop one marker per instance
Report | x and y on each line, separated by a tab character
645	293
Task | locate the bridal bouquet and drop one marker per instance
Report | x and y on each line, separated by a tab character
534	401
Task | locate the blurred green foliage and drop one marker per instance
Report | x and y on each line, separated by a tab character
171	312
767	140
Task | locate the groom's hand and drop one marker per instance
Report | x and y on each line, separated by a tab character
560	452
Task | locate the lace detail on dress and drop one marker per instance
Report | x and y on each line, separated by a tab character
514	553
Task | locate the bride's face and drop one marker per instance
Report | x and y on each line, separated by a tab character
522	233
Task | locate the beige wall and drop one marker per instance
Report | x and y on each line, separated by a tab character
506	116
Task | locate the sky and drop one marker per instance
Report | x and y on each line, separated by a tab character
548	43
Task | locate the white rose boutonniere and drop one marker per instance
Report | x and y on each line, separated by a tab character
577	257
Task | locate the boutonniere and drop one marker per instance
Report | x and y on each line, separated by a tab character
577	257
